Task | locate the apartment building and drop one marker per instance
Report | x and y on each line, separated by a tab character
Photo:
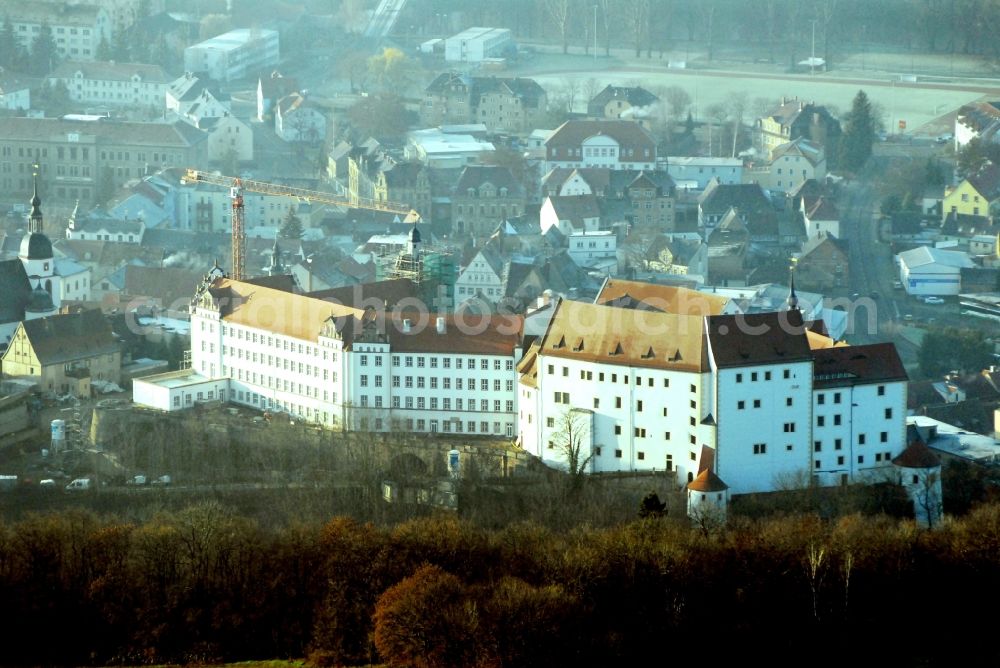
108	83
74	154
615	144
77	29
345	366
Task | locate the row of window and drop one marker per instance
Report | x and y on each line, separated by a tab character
445	404
883	437
589	375
422	382
837	418
879	457
755	375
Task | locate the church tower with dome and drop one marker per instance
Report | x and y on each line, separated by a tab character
36	253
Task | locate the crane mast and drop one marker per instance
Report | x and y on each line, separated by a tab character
239	234
237	186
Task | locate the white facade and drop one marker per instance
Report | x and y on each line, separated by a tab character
228	133
208	209
588	248
476	44
113	84
74	281
479	279
234	55
14	95
435	148
548	217
656	406
282	352
300	123
927	271
701	170
77	30
602	150
177	390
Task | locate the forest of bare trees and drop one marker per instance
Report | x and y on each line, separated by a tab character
204	584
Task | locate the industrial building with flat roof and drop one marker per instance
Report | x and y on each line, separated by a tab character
234	55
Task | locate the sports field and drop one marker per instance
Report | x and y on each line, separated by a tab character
916	104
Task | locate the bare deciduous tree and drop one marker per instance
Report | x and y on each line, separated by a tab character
560	12
572	439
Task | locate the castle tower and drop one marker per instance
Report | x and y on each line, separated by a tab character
707	498
919	472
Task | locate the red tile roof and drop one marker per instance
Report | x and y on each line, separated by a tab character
917	456
707	481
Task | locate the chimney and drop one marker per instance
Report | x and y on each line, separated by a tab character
440	325
406	326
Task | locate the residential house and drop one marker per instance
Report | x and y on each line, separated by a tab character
409	183
365	164
677	255
977	194
75	155
594	250
447	100
97	227
508	105
227	135
482	278
195	98
485	195
270	89
570	214
112	84
694	172
823	264
647	197
728	244
821	217
791	164
77	29
64	353
795	118
628	102
15	94
299	120
718	198
617	144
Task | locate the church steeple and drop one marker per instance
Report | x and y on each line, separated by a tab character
793	299
275	268
35	218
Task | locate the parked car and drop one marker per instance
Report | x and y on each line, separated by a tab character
898	285
908	317
945	138
79	485
933	300
163	481
136	480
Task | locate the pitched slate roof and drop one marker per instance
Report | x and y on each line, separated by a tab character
802	147
526	90
575	208
987	181
389	292
476	176
70	336
444	81
177	133
14	290
718	198
813	244
751	339
627	133
172	286
819	208
636	96
856	365
109	70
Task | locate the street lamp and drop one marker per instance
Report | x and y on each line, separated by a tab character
595	33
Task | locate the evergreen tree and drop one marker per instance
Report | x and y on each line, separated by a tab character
104	50
859	134
10	48
44	56
291	227
106	185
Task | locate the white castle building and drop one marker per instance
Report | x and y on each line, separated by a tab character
344	366
648	378
761	399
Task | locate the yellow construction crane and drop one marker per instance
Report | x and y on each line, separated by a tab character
237	186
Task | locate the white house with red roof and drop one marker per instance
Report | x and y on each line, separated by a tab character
821	216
